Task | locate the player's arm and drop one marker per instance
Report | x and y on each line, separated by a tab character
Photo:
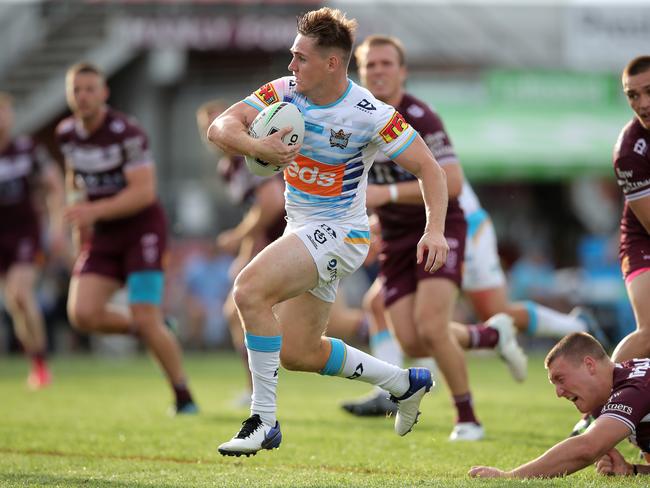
568	456
641	209
267	208
139	193
418	160
229	132
53	181
409	192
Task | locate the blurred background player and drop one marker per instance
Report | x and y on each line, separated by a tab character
420	305
24	166
107	158
632	167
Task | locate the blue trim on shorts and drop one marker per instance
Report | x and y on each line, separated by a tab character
380	337
474	221
146	287
263	343
532	318
359	234
337	358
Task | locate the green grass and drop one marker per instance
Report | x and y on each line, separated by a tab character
104	423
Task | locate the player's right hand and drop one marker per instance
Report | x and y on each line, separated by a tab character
486	472
272	150
437	249
613	463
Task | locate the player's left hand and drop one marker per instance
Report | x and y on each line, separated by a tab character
81	214
436	246
486	472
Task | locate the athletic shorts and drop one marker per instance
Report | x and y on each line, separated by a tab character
19	246
126	254
337	250
399	270
635	257
482	269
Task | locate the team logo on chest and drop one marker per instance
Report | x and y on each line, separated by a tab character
339	138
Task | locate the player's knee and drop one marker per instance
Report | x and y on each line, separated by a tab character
18	299
246	292
413	348
373	303
82	318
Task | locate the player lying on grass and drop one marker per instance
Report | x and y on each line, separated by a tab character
618	394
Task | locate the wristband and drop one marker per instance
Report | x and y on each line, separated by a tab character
635	469
392	190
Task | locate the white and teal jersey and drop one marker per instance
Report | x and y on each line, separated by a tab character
328	179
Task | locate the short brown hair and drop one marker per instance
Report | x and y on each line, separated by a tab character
380	40
638	65
576	347
84	67
330	27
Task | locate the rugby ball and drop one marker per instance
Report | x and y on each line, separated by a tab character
269	121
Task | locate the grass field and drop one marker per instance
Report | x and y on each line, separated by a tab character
104	423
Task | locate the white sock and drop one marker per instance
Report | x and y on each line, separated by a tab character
264	362
351	363
384	346
545	322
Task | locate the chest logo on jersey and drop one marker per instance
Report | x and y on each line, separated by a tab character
366	105
617	407
394	128
314	177
267	94
339	138
641	147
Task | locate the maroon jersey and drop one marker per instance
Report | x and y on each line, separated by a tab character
101	159
630	400
21	164
632	167
400	219
242	185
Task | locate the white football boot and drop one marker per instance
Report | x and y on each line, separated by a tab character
467	431
408	404
253	436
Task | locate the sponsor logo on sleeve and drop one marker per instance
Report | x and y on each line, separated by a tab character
267	94
617	407
394	128
339	138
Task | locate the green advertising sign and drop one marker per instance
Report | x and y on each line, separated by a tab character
530	125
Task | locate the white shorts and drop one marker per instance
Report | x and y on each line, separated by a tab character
482	269
337	250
